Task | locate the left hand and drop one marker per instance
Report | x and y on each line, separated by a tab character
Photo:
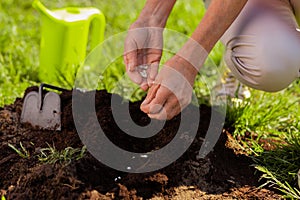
171	91
143	47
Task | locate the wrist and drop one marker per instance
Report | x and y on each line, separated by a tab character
184	68
193	53
147	21
156	12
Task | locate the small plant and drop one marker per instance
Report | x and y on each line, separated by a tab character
24	153
51	155
285	187
280	166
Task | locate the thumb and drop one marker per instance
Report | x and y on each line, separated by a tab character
131	60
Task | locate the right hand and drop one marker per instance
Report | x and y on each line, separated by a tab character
143	46
172	90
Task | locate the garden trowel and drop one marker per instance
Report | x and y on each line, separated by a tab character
42	110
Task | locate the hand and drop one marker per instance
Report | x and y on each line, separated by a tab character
143	47
171	91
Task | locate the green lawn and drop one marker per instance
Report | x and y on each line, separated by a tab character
265	116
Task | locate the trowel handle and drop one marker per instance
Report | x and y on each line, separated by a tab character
44	85
97	29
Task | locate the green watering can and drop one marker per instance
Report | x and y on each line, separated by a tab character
66	35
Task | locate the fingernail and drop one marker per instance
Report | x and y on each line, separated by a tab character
144	86
144	108
146	101
150	83
156	108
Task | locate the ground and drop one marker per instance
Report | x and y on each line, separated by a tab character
222	174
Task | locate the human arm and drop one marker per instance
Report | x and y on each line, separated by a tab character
155	13
161	102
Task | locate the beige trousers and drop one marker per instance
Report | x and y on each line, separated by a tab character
263	44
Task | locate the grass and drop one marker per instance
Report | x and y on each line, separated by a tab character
271	119
23	152
51	155
289	191
264	117
280	166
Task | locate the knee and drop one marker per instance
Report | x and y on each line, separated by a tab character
280	64
269	64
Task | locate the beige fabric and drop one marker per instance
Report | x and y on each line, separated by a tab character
263	45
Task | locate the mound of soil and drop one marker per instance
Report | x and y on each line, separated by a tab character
220	175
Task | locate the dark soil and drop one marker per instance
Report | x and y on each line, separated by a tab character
220	175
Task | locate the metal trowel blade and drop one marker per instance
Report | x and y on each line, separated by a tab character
48	116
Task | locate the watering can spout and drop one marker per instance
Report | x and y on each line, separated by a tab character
41	8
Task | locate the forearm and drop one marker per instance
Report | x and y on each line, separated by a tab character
218	18
156	12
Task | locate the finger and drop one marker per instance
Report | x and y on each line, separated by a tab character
157	109
139	57
151	94
131	60
152	57
152	71
135	77
144	86
162	115
160	98
171	109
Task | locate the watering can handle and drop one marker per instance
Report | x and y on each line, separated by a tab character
97	31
